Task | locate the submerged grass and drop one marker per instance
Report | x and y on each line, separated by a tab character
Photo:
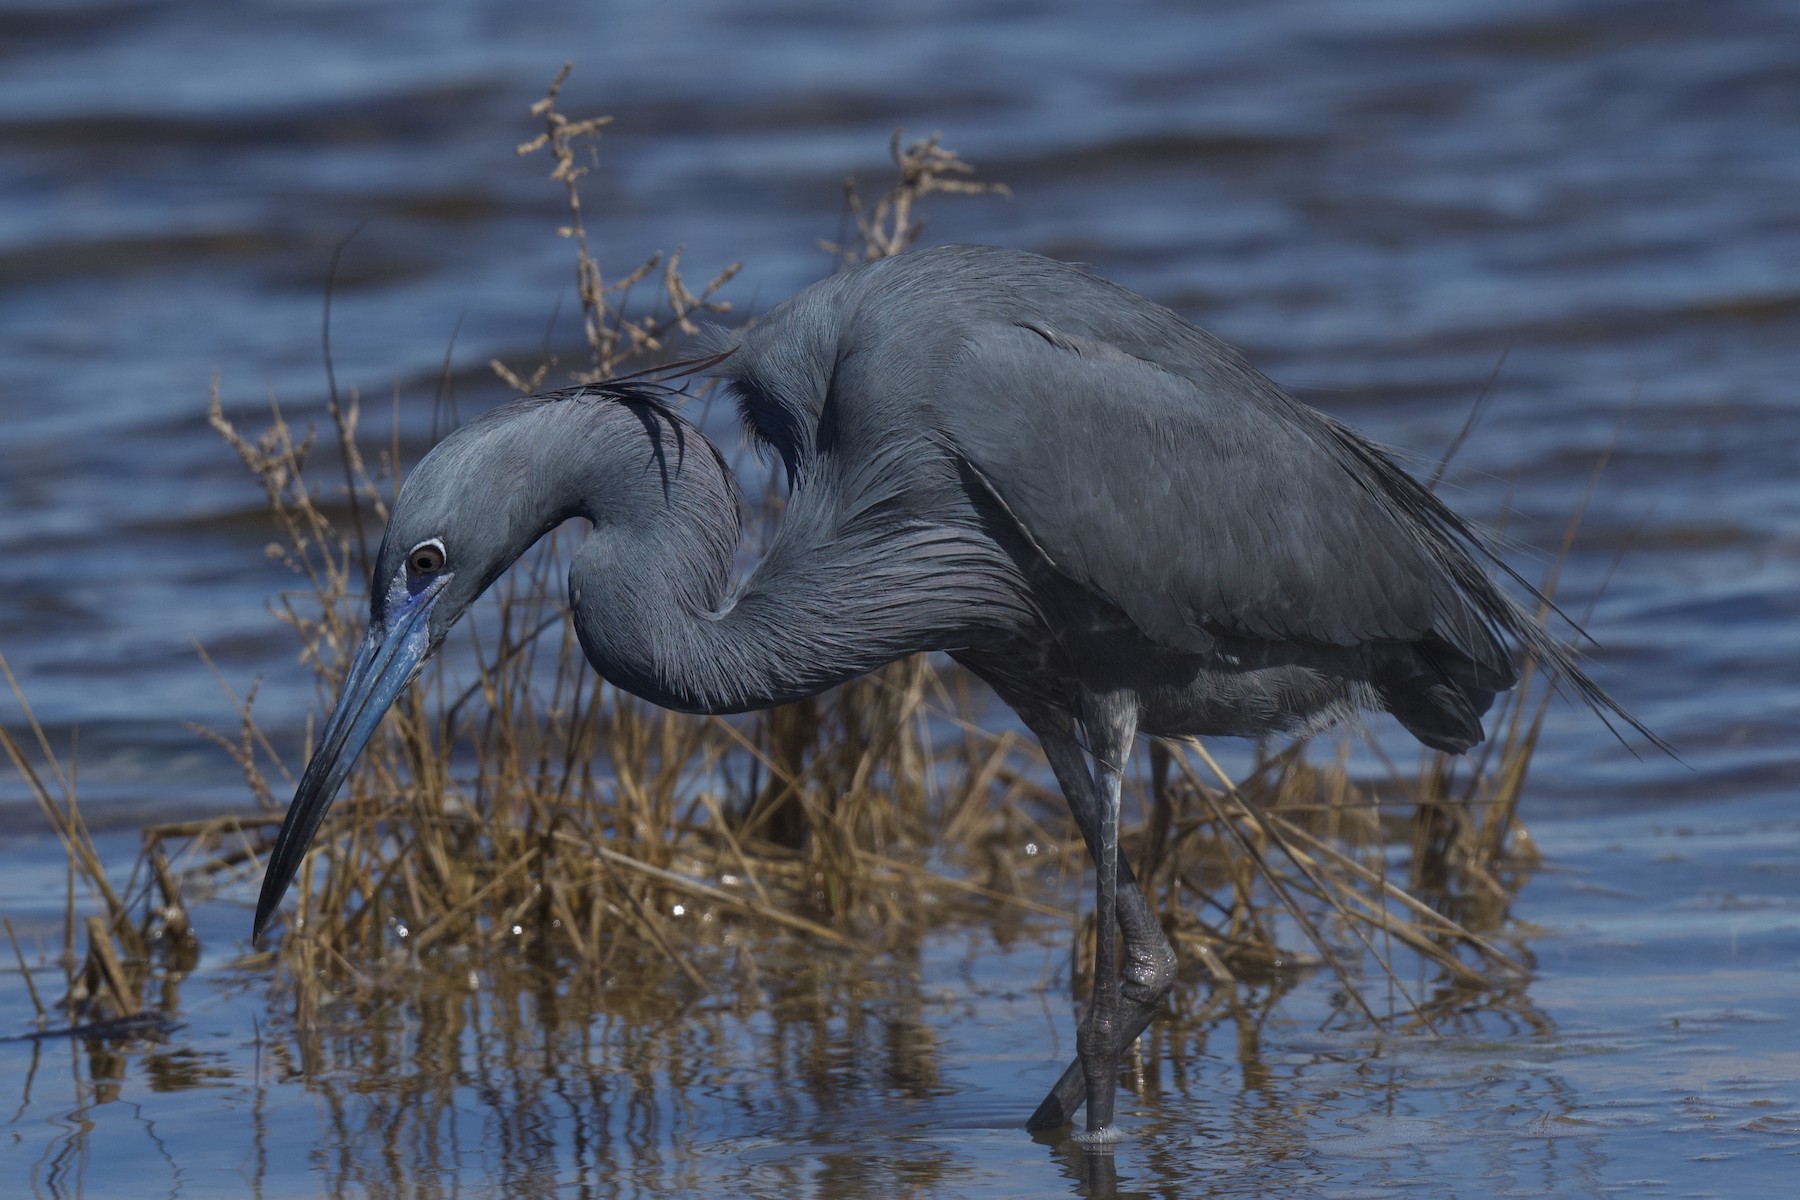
516	808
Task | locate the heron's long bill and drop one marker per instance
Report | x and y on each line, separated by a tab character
390	655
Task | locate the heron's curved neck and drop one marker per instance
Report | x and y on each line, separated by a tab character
657	614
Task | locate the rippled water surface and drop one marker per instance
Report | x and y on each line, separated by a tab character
1386	203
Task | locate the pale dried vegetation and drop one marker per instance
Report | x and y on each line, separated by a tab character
516	808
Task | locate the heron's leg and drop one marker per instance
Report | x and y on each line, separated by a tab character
1149	959
1149	969
1110	724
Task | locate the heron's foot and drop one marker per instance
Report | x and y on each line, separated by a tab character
1104	1138
1140	1001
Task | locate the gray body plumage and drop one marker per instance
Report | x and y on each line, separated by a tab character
1180	527
1098	508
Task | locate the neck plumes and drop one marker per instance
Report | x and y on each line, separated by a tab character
846	586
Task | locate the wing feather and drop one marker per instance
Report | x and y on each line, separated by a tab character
1204	501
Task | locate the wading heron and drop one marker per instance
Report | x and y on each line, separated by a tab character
1099	509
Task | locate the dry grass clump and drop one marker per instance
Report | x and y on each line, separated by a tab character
1295	846
131	937
515	806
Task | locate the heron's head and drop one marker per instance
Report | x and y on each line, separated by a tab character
464	515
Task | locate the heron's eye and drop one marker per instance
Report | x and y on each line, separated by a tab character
426	558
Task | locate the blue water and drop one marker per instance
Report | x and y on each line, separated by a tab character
1385	203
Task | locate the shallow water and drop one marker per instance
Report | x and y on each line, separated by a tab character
1378	201
1652	1054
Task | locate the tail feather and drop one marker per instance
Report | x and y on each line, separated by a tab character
1454	676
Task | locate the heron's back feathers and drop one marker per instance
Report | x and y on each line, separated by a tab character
1150	464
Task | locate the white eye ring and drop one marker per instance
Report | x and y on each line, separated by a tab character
426	558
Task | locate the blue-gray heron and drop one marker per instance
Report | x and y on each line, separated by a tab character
1099	509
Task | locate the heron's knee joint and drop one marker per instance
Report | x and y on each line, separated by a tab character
1150	973
1097	1037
